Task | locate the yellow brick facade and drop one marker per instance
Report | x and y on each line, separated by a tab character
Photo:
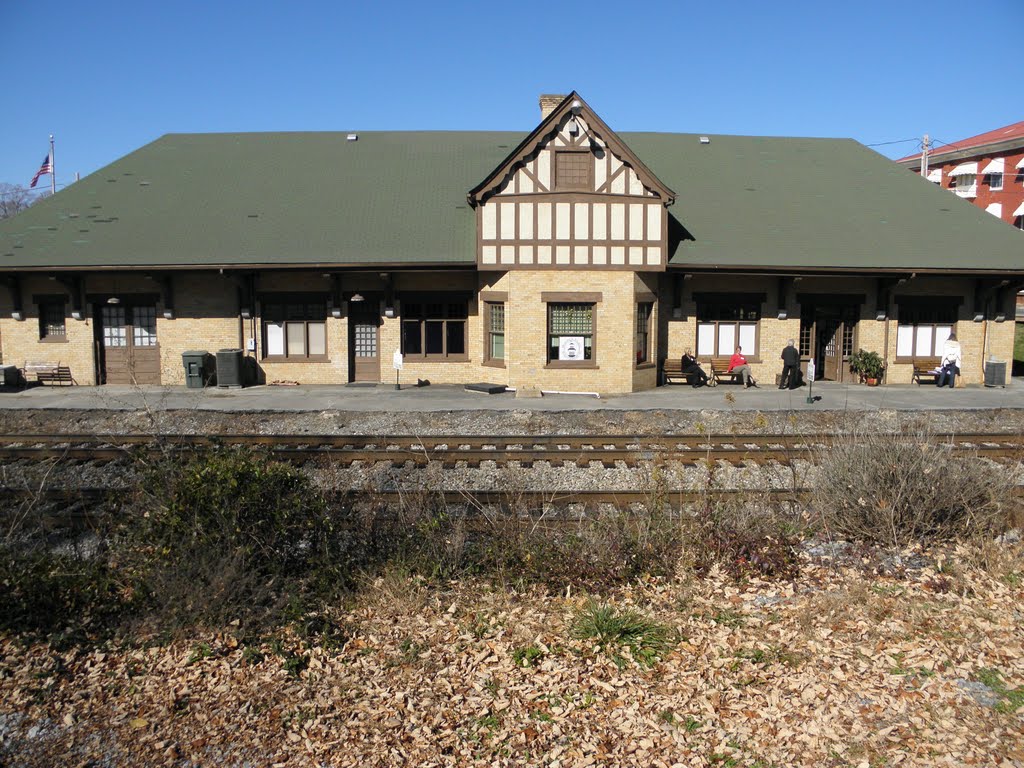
206	315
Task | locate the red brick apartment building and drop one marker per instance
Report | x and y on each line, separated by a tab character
987	170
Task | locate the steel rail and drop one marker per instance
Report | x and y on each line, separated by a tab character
451	450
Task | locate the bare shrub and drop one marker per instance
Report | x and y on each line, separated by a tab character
902	489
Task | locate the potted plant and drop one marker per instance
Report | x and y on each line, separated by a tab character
869	365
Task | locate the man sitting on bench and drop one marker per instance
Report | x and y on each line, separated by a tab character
738	366
694	374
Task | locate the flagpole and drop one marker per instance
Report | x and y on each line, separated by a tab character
53	170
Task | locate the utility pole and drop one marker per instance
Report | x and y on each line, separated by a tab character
924	156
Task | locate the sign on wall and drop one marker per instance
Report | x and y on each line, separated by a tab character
570	347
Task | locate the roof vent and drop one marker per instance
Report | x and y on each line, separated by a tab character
705	139
352	137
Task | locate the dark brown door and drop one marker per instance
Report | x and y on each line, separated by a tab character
364	342
128	344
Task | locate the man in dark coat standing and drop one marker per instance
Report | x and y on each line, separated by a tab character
790	367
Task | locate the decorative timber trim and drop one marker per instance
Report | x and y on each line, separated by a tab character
547	128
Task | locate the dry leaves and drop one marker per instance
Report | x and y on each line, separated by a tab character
834	669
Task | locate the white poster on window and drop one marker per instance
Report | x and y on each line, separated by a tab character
748	338
570	348
726	339
905	341
275	338
706	339
923	346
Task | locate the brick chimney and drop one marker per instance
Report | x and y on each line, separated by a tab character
548	102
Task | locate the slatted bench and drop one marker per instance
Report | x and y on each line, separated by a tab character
924	368
719	372
47	373
673	369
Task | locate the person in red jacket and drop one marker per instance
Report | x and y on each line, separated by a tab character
738	364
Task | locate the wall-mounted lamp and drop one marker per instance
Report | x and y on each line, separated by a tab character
336	312
782	315
246	313
168	314
113	300
1000	317
880	314
76	314
979	316
17	315
389	311
357	297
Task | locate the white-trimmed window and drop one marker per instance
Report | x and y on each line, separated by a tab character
294	327
725	322
994	181
965	185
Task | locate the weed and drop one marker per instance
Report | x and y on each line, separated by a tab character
200	651
902	489
527	656
1011	699
615	629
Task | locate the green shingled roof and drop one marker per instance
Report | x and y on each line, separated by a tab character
399	198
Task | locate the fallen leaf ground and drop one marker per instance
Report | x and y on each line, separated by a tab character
842	666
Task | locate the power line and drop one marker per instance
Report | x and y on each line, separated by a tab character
884	143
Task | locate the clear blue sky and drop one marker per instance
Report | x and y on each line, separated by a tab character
108	77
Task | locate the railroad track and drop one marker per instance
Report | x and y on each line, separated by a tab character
471	451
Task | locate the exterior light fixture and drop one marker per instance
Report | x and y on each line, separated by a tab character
357	297
979	316
76	314
246	313
17	315
783	314
113	300
168	314
389	311
880	314
336	312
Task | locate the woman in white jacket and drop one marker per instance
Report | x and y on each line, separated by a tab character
950	364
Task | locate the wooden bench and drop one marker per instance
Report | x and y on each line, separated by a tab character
718	372
673	369
924	368
47	373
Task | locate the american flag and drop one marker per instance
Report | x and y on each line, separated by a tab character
45	168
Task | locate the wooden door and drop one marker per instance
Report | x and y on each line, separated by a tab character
832	349
129	353
364	342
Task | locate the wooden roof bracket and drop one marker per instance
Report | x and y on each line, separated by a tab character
73	284
884	294
13	284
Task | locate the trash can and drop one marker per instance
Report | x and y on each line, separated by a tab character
229	368
196	368
995	373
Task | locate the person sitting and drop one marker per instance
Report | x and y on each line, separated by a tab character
950	365
790	366
694	374
738	364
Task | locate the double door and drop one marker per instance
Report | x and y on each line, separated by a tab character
828	336
127	344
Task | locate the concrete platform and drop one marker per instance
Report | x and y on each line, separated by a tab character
827	396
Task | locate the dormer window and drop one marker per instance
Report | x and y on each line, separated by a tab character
573	170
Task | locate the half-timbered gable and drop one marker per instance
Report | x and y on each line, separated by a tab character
572	195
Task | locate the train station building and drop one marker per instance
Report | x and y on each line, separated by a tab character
573	258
